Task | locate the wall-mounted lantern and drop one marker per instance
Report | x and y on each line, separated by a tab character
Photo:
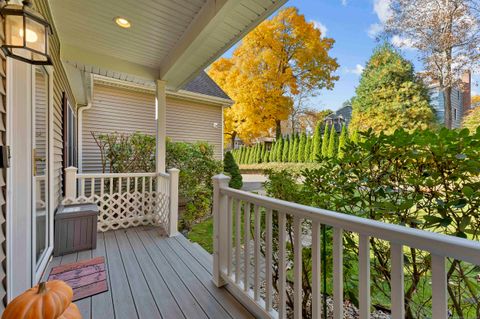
26	33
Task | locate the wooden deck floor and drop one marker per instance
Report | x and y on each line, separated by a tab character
152	276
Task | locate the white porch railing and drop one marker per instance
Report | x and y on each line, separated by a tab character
127	199
236	265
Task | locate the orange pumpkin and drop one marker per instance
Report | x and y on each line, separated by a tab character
72	312
48	300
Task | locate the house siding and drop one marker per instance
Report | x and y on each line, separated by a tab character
60	85
438	103
123	110
3	190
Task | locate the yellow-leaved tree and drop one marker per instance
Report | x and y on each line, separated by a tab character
278	60
472	120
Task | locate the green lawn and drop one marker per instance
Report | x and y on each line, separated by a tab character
202	234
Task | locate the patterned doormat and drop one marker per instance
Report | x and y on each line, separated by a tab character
87	278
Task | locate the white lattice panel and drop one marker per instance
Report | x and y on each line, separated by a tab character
140	200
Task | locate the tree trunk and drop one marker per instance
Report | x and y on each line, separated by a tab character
278	129
447	96
232	141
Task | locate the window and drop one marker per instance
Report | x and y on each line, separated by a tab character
69	135
455	114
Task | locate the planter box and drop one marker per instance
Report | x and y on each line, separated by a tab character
75	228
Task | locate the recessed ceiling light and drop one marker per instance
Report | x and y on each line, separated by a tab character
122	22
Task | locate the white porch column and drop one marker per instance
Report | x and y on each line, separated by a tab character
161	118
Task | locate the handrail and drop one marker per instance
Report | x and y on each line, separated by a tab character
439	244
240	247
117	175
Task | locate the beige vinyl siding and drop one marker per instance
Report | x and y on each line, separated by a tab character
191	121
3	208
60	85
122	110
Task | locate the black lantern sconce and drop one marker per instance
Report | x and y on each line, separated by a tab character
26	33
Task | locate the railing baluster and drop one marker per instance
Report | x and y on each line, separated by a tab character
268	257
337	273
102	187
257	254
297	267
398	294
439	288
238	240
92	189
246	244
82	187
229	236
364	276
316	272
282	271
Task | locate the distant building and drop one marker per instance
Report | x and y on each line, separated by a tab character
461	101
341	117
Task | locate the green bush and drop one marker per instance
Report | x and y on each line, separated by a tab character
232	170
325	141
124	153
425	180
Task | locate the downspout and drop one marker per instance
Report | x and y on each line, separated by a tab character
80	109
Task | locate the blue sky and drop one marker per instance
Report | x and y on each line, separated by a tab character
352	24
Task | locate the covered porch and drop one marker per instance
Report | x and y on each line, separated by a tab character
153	276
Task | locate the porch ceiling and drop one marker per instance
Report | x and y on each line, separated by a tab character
169	39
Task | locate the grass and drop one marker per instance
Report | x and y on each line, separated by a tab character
202	234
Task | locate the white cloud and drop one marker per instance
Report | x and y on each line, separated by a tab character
320	26
358	69
382	9
374	30
403	43
344	2
384	12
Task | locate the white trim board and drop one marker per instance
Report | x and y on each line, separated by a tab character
180	94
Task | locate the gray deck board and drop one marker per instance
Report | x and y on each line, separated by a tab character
151	276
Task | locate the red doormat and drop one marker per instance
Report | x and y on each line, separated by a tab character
87	278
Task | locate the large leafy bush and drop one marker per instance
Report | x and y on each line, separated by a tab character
425	180
128	153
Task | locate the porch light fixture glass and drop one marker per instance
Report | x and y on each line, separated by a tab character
122	22
26	33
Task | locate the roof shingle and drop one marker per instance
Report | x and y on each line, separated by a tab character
203	84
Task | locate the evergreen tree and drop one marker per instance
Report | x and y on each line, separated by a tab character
266	155
317	142
325	140
355	137
271	158
232	170
286	148
312	158
342	141
251	154
332	143
301	148
390	95
291	148
259	153
278	151
296	143
308	149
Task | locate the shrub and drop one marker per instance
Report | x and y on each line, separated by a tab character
342	142
232	170
123	153
332	143
301	148
286	148
425	180
325	141
317	142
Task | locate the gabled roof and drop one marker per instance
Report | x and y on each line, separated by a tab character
203	84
